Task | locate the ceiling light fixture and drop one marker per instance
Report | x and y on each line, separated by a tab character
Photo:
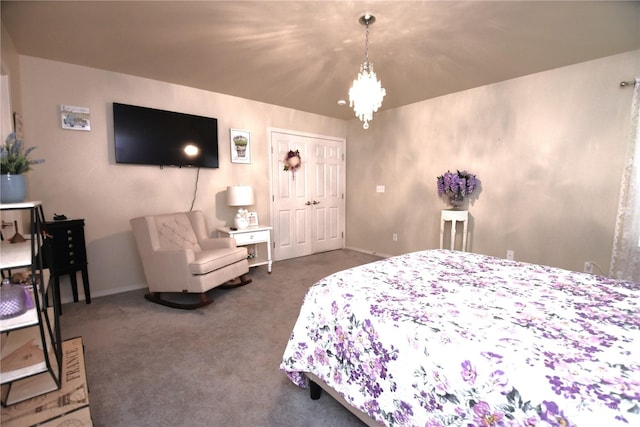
366	93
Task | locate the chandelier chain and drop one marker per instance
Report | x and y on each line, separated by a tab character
366	46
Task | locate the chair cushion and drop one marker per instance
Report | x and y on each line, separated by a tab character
214	259
175	232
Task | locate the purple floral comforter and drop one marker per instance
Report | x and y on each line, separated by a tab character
446	338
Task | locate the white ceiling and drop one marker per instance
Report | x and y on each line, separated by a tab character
305	54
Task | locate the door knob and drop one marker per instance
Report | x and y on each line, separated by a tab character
308	203
316	202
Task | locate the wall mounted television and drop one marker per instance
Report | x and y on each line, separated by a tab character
148	136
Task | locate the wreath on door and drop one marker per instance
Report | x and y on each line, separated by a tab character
292	162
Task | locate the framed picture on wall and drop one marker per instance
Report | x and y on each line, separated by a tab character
240	146
75	118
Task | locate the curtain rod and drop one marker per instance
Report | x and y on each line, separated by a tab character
629	83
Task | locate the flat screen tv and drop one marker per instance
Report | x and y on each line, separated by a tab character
148	136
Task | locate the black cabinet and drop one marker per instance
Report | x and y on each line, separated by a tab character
69	255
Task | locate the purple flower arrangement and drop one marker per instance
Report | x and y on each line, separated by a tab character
292	161
456	186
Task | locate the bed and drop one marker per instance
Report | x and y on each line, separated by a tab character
448	338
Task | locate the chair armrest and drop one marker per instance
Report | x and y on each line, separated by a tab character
217	243
168	271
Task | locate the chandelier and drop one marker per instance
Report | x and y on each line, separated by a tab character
366	93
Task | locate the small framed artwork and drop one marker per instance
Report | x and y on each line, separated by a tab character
253	219
75	118
240	146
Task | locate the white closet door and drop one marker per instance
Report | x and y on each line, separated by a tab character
308	206
327	224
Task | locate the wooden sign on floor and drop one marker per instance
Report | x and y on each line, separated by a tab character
68	404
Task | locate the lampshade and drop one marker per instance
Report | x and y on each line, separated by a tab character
240	195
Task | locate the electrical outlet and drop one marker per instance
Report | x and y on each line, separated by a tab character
588	267
510	255
395	237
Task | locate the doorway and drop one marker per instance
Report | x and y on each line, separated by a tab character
308	205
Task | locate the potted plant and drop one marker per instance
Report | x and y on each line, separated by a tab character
455	187
241	145
14	163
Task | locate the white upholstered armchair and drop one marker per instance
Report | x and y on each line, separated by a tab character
179	256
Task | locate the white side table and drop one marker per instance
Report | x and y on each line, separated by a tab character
454	216
251	236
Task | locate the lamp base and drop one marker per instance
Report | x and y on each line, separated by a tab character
242	219
241	222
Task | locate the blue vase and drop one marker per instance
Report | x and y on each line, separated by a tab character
13	188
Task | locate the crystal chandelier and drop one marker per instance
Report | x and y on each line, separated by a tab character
366	93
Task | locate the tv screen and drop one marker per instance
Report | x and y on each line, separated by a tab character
149	136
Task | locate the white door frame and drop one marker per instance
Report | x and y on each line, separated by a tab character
270	131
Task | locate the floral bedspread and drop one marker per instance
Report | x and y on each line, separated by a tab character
446	338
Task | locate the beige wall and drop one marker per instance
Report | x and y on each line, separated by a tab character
548	149
10	66
81	180
10	70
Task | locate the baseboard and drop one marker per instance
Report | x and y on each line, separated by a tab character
120	290
364	251
69	298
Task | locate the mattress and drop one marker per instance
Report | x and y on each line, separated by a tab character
448	338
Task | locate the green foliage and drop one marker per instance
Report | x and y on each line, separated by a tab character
240	140
14	158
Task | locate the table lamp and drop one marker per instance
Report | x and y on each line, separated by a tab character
242	196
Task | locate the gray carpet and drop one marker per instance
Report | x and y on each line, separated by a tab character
150	365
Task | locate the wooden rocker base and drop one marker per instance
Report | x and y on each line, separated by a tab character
236	283
157	298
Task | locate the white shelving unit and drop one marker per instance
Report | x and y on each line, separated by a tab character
30	343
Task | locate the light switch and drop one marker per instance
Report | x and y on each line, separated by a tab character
380	189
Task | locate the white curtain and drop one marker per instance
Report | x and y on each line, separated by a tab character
625	256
